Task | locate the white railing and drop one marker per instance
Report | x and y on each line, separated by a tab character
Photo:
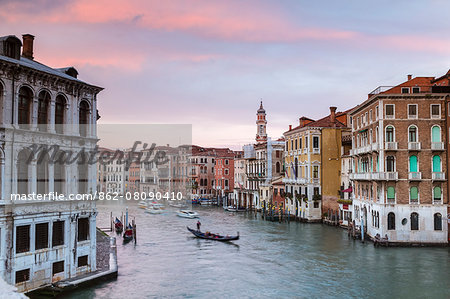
437	146
390	200
360	176
415	176
316	151
391	146
375	146
385	176
438	176
414	146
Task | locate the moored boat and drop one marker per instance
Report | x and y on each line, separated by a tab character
187	214
128	234
231	209
118	225
209	236
153	210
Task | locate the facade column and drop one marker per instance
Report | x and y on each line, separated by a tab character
51	125
51	177
34	113
32	177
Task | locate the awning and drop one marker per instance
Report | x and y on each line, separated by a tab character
362	131
348	190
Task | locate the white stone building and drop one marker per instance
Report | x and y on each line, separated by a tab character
47	240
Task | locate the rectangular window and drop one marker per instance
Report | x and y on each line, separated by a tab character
41	238
300	143
306	142
22	275
370	116
315	142
83	229
58	267
435	111
405	89
22	238
415	89
376	112
82	261
412	111
296	144
390	111
58	233
315	172
226	162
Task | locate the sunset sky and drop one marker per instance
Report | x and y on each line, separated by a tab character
208	63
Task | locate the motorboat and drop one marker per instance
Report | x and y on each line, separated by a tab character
187	214
231	209
153	210
177	205
156	205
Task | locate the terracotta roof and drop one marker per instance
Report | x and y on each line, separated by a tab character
326	123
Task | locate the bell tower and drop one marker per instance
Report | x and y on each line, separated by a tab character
261	124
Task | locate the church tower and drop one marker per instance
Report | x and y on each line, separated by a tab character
261	124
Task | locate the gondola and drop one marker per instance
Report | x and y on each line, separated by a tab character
118	225
215	237
128	234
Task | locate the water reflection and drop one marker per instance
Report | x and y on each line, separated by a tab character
270	259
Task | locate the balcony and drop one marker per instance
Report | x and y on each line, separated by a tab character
375	147
305	150
390	201
363	176
385	176
415	176
438	176
437	146
315	180
414	146
316	151
390	146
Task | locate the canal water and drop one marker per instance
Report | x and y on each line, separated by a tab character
281	260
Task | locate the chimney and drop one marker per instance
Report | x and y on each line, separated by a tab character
301	122
27	50
290	127
409	77
333	114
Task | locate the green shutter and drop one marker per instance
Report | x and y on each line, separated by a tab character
437	193
391	192
436	134
413	164
436	164
414	193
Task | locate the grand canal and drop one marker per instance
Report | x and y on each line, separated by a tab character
279	260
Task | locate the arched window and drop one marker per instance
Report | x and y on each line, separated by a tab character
390	134
42	173
25	102
414	221
437	221
83	118
436	134
205	181
277	167
391	194
413	163
22	172
60	104
436	163
412	134
390	164
414	194
391	221
43	106
437	193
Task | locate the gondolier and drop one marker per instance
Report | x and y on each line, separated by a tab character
198	225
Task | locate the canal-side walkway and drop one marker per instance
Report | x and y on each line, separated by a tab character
107	268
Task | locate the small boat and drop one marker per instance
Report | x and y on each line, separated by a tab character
231	209
210	236
187	214
128	234
153	210
118	225
142	204
156	205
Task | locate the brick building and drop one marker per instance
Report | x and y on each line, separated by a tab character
400	161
